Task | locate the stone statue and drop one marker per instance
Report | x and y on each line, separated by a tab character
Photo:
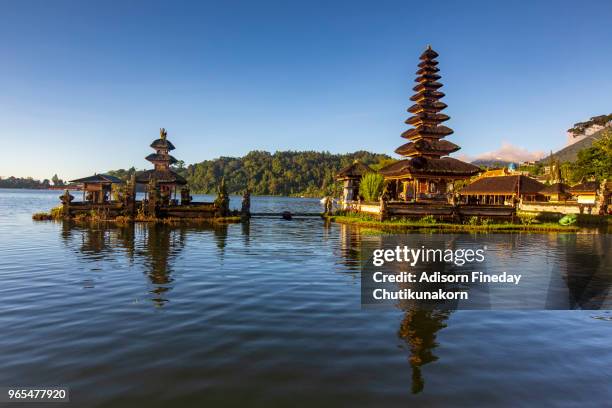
246	203
185	196
222	200
154	198
383	208
165	197
66	198
329	205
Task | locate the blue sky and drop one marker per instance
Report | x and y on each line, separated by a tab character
85	86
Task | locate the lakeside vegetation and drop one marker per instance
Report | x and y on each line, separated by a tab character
96	217
591	162
474	224
595	161
371	186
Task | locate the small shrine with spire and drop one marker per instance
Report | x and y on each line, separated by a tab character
108	197
426	173
162	176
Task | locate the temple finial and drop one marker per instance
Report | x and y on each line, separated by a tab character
162	133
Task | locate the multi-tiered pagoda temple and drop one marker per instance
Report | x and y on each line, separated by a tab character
162	175
426	174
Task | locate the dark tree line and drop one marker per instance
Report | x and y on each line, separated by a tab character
281	173
29	182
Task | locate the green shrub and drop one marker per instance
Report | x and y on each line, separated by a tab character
527	218
428	219
486	221
371	186
474	220
569	219
57	212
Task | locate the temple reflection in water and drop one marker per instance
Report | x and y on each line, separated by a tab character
578	279
156	245
418	329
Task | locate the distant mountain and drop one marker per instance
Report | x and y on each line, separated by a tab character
570	153
491	163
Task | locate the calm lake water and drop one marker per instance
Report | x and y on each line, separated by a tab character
269	314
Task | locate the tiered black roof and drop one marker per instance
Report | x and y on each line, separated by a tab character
162	173
98	179
426	148
157	157
161	176
426	117
162	146
354	170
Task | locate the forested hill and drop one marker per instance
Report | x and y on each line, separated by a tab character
282	173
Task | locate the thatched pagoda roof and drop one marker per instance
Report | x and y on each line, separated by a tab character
503	185
427	107
427	94
446	166
98	179
427	70
428	54
556	188
163	177
354	170
427	85
153	157
427	147
428	64
585	187
162	144
426	76
426	118
424	132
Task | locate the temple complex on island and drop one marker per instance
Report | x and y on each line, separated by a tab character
426	174
108	197
426	182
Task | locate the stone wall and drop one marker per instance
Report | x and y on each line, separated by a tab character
441	211
562	208
360	206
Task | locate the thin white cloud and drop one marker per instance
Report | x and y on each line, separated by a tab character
507	152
